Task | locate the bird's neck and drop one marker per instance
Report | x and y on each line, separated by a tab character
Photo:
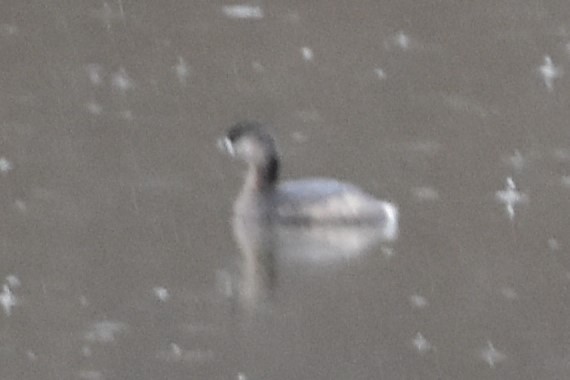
262	177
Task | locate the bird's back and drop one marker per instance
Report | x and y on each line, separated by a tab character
322	200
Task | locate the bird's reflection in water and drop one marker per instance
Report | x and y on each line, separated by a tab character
266	246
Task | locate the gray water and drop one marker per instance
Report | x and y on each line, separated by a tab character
117	256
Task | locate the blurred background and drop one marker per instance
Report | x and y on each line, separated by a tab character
117	259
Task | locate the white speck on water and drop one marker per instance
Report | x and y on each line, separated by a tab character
427	148
401	40
86	351
292	16
425	193
197	356
565	180
388	252
224	283
83	301
511	197
172	354
299	137
13	281
307	53
380	74
561	154
175	350
553	244
549	72
21	205
126	115
421	343
161	293
108	15
8	30
90	375
491	355
509	293
257	67
182	71
418	301
121	80
104	331
94	108
7	300
175	353
241	376
515	161
243	11
31	355
309	116
5	165
95	74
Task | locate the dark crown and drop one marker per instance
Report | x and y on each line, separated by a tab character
247	128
